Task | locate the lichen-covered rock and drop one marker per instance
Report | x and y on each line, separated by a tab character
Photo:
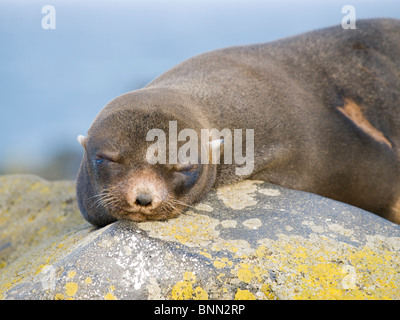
251	240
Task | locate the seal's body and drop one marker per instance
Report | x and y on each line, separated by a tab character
324	106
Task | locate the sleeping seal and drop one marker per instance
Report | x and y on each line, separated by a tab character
323	107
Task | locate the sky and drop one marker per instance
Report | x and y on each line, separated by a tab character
53	82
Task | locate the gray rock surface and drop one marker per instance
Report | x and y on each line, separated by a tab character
251	240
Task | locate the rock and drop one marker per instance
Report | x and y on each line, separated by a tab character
251	240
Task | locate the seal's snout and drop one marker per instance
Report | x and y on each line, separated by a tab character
146	193
147	197
144	199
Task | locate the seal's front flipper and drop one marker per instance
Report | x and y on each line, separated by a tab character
354	113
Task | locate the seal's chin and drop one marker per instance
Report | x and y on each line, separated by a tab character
140	214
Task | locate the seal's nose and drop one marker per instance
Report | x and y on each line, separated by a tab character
144	199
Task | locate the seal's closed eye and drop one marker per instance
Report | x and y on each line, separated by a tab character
186	175
102	158
179	167
184	167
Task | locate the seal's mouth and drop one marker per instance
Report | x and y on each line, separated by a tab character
138	214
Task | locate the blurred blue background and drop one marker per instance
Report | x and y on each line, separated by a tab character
54	82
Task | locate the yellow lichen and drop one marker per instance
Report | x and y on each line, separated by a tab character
268	292
110	296
182	290
219	264
206	254
40	240
71	288
40	268
244	295
59	296
262	251
227	261
39	186
240	195
190	229
189	277
244	274
200	294
204	207
220	276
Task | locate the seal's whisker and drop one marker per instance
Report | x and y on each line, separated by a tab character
176	201
99	194
169	207
110	200
172	207
104	198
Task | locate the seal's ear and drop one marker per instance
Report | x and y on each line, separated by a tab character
215	150
82	140
215	144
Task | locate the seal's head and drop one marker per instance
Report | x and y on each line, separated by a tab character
116	180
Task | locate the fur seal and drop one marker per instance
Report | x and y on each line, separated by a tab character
324	107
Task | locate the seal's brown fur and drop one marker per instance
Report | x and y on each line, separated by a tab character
324	107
